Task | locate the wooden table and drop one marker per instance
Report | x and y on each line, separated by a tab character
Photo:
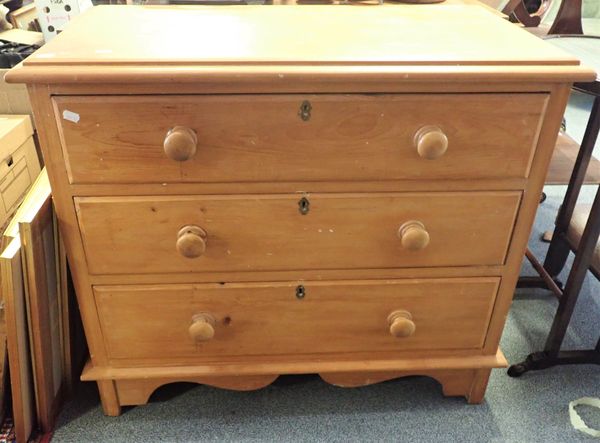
247	191
576	230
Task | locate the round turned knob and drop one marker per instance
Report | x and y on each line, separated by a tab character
180	143
202	327
413	235
191	241
401	324
431	142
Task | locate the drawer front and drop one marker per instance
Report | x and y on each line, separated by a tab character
170	321
266	138
171	234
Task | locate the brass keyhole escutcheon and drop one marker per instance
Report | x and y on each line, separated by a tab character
303	206
300	292
304	111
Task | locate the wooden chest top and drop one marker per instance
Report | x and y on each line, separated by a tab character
402	39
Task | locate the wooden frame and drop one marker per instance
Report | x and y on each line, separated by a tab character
23	17
39	328
4	378
44	311
19	352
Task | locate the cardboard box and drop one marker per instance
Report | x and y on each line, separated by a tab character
19	162
23	37
13	98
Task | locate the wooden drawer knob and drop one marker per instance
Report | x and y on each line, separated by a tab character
180	143
413	235
431	142
401	324
191	241
202	327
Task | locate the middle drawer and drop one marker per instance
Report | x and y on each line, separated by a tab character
173	234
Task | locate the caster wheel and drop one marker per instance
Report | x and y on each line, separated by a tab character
516	370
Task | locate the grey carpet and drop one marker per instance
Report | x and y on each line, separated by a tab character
530	409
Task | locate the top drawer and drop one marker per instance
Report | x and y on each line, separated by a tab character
298	138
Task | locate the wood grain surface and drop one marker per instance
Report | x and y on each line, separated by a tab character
261	138
138	235
244	35
269	319
495	93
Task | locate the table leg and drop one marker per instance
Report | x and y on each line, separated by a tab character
559	247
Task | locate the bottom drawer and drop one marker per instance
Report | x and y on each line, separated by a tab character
208	321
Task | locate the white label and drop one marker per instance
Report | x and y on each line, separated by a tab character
71	116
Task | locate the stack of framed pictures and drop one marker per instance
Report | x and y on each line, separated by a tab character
38	313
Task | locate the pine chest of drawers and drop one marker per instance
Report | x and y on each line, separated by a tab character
254	191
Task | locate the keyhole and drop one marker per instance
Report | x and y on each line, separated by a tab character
300	292
303	206
305	109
